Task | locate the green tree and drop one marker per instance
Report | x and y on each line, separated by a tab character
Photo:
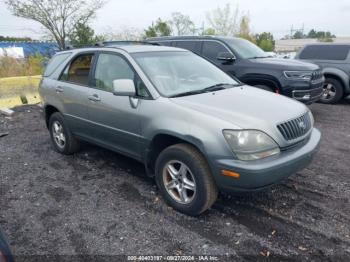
209	31
312	34
244	29
298	35
17	39
82	35
160	28
265	41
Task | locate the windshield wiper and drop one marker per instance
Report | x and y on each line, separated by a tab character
187	93
216	87
212	88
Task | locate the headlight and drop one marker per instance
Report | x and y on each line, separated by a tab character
312	119
298	75
251	145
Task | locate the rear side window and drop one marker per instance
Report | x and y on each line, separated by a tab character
79	69
212	49
193	46
55	62
325	52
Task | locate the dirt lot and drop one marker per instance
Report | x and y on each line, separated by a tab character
100	203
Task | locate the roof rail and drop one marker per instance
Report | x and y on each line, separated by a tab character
123	42
112	44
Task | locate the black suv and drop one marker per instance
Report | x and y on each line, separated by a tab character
251	65
334	59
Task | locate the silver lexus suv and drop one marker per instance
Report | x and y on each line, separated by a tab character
196	129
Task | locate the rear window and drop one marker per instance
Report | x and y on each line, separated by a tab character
325	52
78	71
55	62
193	46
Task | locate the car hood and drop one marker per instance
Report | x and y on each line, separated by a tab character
284	64
245	107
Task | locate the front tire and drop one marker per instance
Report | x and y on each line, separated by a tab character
332	91
185	180
61	137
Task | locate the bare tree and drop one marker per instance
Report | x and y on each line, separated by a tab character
58	17
124	33
224	20
181	24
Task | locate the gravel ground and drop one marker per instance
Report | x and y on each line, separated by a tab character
102	204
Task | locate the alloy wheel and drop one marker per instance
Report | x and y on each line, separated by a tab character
179	182
58	134
329	92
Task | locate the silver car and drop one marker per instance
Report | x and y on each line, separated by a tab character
196	129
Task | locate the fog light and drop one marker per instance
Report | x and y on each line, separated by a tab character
230	174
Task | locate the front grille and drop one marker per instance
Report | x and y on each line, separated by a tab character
316	75
295	128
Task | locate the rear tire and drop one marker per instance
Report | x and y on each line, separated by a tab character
61	137
182	168
332	91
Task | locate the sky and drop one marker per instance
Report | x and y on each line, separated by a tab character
276	16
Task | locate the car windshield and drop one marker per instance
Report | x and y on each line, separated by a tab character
245	49
176	73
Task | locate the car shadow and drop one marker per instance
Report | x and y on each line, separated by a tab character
110	158
345	101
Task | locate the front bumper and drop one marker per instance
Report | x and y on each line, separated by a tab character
263	173
303	91
308	96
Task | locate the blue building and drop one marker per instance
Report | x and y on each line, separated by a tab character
47	49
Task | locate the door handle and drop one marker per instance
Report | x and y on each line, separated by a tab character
59	89
94	98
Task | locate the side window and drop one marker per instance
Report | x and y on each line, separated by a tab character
211	49
111	67
325	52
78	70
193	46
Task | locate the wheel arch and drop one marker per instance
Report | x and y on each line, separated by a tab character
48	111
340	76
260	79
163	140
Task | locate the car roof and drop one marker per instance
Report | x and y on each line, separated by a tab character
147	48
327	43
204	37
127	48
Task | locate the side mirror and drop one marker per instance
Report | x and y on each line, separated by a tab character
226	56
124	87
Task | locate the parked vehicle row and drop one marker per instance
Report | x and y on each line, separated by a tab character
251	65
196	129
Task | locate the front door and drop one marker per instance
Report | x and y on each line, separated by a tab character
115	119
211	50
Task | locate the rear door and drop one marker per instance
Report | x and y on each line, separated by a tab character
193	46
115	119
73	90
